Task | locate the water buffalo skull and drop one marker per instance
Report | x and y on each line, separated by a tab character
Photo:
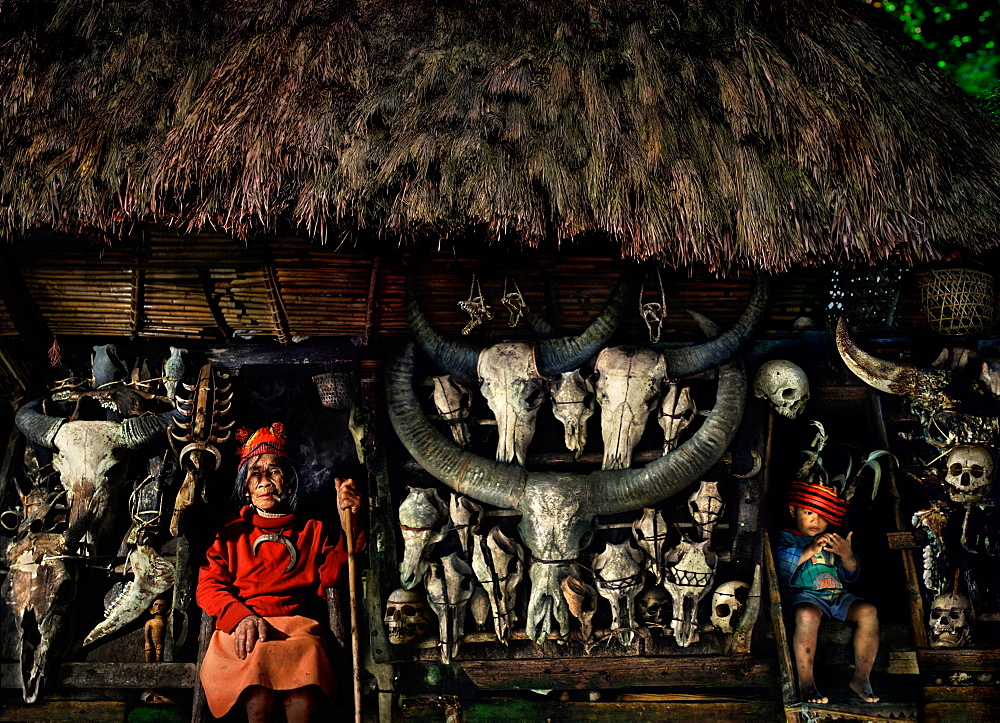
89	458
628	389
573	404
558	508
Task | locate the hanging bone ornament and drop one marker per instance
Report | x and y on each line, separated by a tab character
407	617
475	306
950	621
937	566
557	507
498	562
652	608
514	302
38	591
89	457
628	389
173	371
452	401
152	576
573	404
690	570
727	600
449	587
581	599
198	427
784	384
968	473
706	507
465	516
422	518
650	532
941	406
677	411
618	571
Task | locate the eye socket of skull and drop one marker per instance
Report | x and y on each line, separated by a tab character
955	614
722	610
534	398
788	393
409	611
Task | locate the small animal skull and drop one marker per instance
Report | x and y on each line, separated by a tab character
969	473
950	621
652	608
573	404
706	507
407	616
677	411
784	384
727	600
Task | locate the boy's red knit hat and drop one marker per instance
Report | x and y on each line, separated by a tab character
824	501
266	440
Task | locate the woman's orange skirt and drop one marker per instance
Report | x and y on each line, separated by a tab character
296	658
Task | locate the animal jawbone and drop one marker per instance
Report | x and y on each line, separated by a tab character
153	576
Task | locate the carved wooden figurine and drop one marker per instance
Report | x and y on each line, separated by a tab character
155	631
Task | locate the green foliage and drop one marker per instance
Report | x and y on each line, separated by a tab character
961	34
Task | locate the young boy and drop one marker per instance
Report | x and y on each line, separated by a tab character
812	565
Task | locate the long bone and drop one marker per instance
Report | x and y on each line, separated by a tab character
558	508
498	562
88	457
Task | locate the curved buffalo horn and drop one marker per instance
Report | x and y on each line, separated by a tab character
557	356
37	427
489	481
137	432
607	491
457	358
689	360
891	377
614	491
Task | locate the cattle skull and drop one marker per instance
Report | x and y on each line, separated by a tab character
89	457
573	404
784	384
464	515
452	400
969	472
950	621
407	617
619	574
556	356
677	411
706	506
498	562
581	599
727	600
690	570
650	532
422	520
628	389
38	590
449	587
558	508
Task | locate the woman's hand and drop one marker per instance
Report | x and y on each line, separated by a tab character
347	499
246	634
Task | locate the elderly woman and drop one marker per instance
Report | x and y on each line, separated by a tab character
264	581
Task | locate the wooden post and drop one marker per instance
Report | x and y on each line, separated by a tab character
352	581
788	683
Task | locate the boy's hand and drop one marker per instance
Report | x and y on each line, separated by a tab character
840	546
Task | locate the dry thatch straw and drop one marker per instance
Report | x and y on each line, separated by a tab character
727	133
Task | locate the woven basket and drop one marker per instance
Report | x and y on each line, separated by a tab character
959	301
337	390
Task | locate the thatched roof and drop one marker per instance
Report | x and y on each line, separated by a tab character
729	133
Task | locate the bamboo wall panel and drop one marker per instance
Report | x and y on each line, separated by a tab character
327	300
242	298
175	304
84	300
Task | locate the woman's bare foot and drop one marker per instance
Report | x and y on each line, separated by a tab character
811	695
863	687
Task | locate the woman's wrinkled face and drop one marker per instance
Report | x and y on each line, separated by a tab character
266	482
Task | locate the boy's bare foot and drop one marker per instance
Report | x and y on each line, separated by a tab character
811	695
863	687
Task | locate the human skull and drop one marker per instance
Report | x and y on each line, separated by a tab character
727	600
950	621
407	616
969	473
652	607
784	384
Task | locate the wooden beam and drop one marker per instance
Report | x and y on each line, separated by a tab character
138	300
966	659
24	313
370	302
205	276
240	355
587	674
477	711
788	682
111	675
276	304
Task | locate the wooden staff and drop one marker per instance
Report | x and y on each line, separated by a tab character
352	581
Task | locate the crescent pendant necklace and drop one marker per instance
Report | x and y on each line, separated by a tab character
293	553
